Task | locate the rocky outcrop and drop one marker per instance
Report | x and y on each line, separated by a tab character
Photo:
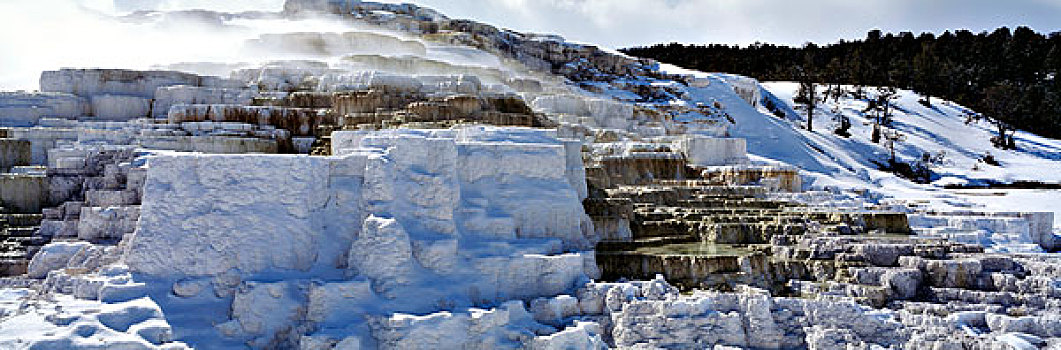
386	209
25	109
14	153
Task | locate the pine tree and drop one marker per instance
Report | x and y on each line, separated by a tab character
959	66
1002	101
808	96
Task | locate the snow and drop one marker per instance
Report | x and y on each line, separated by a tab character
849	160
942	127
827	160
66	322
766	136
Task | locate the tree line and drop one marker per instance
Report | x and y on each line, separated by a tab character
1011	77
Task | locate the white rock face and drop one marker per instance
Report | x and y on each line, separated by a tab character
168	96
54	256
42	140
583	335
370	80
505	327
120	107
489	210
194	218
383	253
744	320
402	185
26	109
264	309
335	304
709	151
94	82
745	87
596	112
1001	231
107	222
454	84
493	168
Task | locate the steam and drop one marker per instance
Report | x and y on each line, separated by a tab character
52	34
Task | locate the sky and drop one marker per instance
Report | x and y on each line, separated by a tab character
46	34
624	23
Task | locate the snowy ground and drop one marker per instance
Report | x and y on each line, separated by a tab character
829	160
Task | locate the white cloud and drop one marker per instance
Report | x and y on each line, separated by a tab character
38	35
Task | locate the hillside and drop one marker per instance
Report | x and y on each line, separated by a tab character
831	160
1004	74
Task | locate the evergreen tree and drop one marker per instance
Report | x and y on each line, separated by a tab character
808	96
1002	101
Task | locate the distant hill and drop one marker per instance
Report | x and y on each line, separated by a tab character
1009	76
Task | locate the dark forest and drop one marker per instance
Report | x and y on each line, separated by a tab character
1010	77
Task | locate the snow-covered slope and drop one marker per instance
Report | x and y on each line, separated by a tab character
944	127
944	131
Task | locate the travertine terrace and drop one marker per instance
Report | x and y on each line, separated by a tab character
422	182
